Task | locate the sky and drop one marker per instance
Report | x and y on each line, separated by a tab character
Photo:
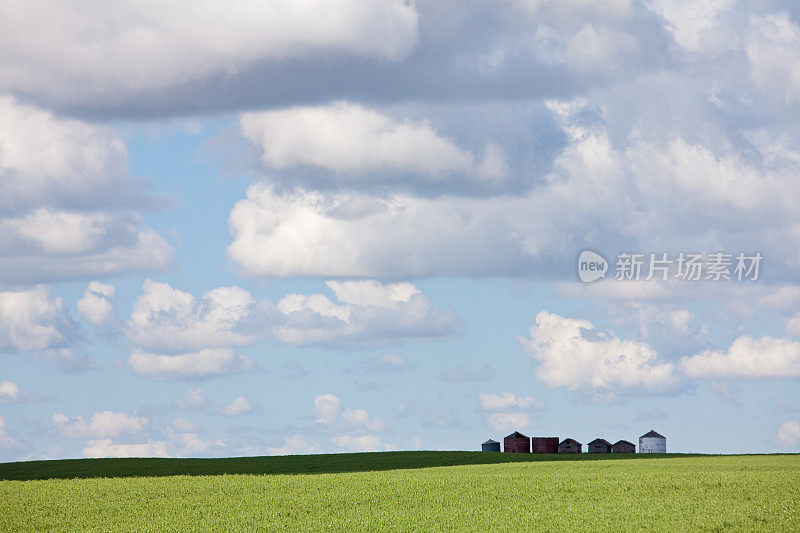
319	226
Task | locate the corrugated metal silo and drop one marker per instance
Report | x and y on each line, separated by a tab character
652	442
490	446
544	444
517	443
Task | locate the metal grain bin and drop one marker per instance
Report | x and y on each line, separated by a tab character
517	443
544	444
652	442
623	446
490	446
570	446
599	446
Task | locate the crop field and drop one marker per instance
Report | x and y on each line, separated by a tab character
406	491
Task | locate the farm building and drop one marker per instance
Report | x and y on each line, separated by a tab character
623	446
490	446
599	446
570	446
652	442
517	443
544	444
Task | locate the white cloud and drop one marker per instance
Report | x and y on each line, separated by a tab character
506	401
360	443
195	398
9	392
144	46
574	354
295	445
747	358
696	26
353	141
8	442
789	433
772	44
192	365
328	407
238	406
97	448
171	320
502	422
103	424
33	320
666	180
390	362
329	411
369	312
183	425
67	203
793	325
96	303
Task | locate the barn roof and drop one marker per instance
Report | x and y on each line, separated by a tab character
623	442
652	433
490	441
516	435
570	440
600	441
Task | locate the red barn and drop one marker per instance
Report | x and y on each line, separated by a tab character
517	443
544	444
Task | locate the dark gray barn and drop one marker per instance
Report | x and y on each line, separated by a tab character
517	443
490	446
570	446
599	446
623	446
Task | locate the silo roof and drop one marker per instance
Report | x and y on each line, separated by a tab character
490	441
601	441
652	433
516	435
623	442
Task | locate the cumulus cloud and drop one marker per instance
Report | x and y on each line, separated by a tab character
238	406
171	320
666	179
574	354
191	365
361	443
137	47
367	312
9	443
33	320
357	143
96	303
789	434
9	392
772	45
68	207
330	412
502	422
295	445
97	448
506	401
747	358
103	424
195	398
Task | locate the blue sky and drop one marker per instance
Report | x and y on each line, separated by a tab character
258	230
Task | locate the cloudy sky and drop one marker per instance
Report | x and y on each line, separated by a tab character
304	226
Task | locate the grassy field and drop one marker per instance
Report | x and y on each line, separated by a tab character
712	493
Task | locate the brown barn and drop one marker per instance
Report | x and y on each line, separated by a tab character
570	446
599	446
544	444
517	443
623	446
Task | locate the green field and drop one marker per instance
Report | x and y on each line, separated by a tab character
406	491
